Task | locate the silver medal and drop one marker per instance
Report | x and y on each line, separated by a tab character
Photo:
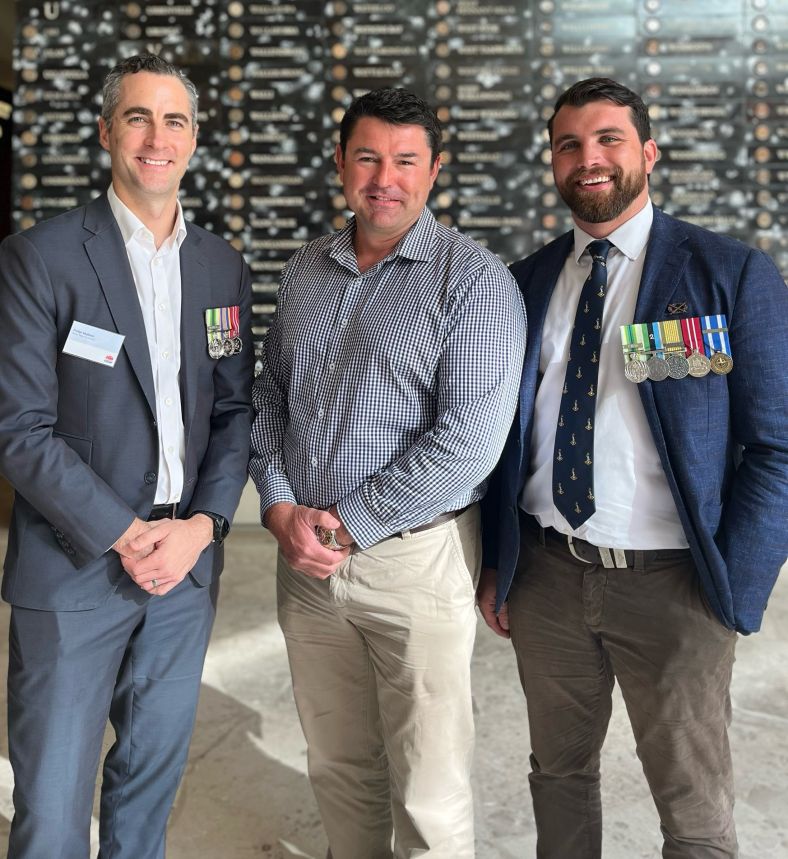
699	365
678	365
657	369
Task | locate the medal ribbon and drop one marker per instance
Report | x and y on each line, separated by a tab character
693	339
212	323
656	339
671	335
235	324
715	332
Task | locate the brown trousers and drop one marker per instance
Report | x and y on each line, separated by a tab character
576	629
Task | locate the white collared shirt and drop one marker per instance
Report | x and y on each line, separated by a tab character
634	506
157	277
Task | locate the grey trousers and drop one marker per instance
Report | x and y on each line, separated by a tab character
137	661
576	629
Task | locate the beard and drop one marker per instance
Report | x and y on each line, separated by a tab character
595	208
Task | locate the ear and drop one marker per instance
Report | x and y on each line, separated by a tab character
434	170
339	160
650	153
103	134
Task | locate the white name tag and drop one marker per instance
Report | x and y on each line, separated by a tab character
94	344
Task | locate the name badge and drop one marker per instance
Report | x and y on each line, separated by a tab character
93	344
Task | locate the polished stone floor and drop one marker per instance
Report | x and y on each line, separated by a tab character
245	793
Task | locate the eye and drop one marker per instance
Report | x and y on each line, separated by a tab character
406	163
609	138
567	145
176	123
137	120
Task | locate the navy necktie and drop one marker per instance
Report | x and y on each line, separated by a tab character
573	456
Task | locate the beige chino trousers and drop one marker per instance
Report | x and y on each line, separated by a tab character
380	658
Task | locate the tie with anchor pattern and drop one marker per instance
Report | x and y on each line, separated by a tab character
573	457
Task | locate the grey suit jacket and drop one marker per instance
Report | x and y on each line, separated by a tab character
78	440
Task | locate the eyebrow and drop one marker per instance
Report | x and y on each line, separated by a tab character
598	133
366	149
135	111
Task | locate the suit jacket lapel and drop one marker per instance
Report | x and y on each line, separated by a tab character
107	254
665	260
195	299
539	291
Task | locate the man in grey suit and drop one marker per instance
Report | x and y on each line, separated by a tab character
124	429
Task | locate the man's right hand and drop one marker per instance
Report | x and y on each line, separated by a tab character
485	599
293	525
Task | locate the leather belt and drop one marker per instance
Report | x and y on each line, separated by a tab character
607	557
163	511
433	523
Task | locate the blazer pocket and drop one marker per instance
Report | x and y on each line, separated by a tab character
83	447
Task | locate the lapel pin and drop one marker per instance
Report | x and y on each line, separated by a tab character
677	307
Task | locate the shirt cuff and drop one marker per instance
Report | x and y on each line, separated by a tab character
276	490
361	523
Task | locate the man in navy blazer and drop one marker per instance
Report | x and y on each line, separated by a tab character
127	444
678	540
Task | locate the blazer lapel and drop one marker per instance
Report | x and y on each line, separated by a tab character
665	260
195	299
107	254
538	292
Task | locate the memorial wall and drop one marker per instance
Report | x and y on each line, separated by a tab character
275	78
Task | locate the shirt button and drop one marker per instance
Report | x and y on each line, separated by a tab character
314	460
332	367
170	449
168	401
162	306
157	261
165	354
344	323
320	413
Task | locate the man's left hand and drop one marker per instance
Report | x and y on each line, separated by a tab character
176	545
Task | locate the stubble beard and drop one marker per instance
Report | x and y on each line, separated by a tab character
599	208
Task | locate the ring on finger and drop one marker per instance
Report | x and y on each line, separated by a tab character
154	584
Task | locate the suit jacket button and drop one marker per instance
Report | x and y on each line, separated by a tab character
150	476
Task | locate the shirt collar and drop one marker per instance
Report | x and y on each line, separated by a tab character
131	226
416	244
630	238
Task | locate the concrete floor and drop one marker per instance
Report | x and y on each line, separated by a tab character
245	793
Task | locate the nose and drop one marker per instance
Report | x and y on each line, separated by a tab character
154	135
589	153
383	174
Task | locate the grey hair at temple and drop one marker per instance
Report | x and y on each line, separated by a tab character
143	63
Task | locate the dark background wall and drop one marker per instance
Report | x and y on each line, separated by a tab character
276	76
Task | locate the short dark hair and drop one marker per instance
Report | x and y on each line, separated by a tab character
397	107
146	62
604	89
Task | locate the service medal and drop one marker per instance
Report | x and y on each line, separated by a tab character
215	349
678	365
237	343
699	365
721	364
635	371
227	347
657	368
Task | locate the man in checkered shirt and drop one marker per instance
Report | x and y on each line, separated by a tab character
390	377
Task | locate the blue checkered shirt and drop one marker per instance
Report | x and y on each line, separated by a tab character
389	392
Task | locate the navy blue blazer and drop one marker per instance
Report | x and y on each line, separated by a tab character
722	440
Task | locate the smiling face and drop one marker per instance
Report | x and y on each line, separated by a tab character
150	139
387	173
600	166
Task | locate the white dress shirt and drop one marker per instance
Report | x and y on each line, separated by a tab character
634	506
157	277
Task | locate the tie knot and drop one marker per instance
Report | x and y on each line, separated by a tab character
599	249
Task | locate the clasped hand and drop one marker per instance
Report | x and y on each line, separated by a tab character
158	555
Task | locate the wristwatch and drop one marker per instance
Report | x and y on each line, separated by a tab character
221	526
